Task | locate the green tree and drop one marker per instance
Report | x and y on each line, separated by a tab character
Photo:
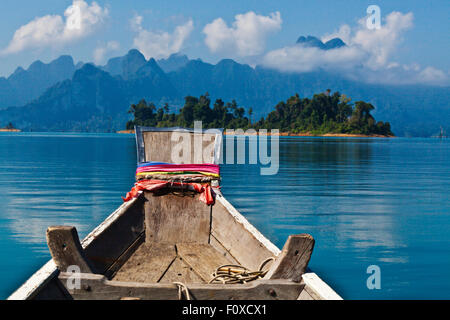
323	113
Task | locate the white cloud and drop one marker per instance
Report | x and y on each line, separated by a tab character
50	30
136	23
246	37
381	43
305	59
101	52
401	74
160	44
343	33
366	57
432	75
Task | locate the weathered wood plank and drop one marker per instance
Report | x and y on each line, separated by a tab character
167	146
96	287
238	236
222	250
124	257
54	290
304	295
148	264
318	289
172	219
66	250
291	263
113	237
203	258
179	271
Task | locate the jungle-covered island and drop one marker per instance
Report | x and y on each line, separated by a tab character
323	114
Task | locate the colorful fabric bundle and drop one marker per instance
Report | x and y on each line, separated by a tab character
170	170
206	193
153	176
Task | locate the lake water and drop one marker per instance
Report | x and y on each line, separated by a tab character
381	202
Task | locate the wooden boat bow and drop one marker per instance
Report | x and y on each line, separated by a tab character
157	242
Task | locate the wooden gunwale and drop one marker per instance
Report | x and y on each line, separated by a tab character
44	275
95	286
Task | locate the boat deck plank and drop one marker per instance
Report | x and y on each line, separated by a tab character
203	258
148	263
179	271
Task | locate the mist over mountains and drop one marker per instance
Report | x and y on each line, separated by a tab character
62	96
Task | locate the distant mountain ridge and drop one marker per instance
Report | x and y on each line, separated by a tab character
173	62
97	98
23	85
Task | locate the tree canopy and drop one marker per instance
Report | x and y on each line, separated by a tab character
323	113
9	126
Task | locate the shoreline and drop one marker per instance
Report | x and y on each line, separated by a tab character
304	134
125	131
10	130
308	134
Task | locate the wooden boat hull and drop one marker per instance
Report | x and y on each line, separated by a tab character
167	245
102	246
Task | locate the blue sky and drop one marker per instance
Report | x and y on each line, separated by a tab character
419	33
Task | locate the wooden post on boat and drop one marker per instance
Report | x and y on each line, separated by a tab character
292	261
66	250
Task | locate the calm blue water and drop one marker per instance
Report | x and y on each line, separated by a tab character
367	202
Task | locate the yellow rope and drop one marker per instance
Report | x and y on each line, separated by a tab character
228	274
233	273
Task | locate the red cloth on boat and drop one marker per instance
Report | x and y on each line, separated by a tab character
206	193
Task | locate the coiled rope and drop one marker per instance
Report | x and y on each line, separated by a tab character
233	273
228	274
